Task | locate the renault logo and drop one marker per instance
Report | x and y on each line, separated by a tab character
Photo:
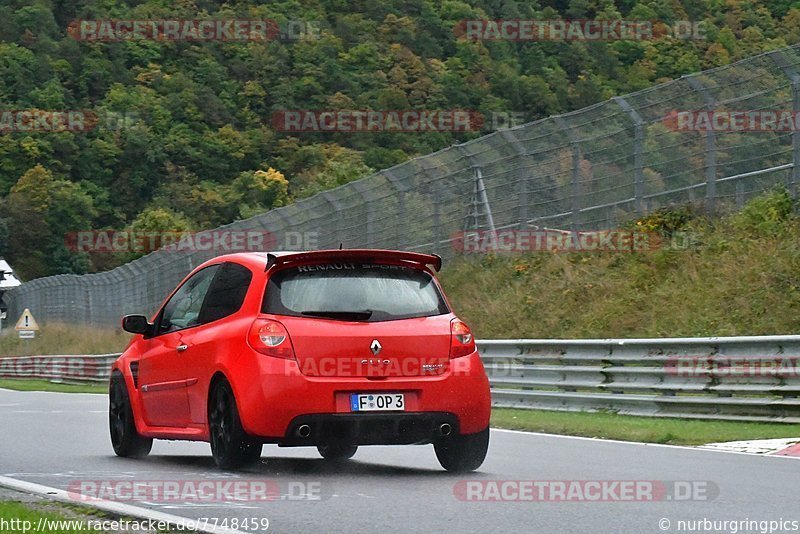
375	347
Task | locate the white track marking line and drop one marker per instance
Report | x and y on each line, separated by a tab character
76	394
635	443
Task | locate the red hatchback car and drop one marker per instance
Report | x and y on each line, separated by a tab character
332	348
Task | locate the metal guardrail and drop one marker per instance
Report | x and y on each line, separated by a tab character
78	369
728	378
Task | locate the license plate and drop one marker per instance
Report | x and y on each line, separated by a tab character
377	402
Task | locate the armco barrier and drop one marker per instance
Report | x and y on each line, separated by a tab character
734	378
86	368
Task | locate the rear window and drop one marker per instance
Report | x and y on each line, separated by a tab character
350	291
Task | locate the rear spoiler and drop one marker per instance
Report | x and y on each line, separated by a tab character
432	260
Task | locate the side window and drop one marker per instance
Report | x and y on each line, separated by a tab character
183	309
227	292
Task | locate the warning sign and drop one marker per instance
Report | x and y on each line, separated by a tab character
27	322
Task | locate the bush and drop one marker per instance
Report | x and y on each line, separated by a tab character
665	221
766	214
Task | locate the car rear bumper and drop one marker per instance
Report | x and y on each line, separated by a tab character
281	399
370	429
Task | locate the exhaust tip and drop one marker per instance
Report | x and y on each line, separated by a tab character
445	429
304	431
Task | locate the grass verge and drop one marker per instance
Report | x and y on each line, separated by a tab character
64	339
729	276
63	518
633	428
52	517
45	385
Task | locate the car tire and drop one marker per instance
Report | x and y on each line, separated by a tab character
461	454
231	447
125	439
337	452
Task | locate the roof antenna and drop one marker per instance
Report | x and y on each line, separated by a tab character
341	245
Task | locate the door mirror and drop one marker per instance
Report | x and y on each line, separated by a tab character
136	324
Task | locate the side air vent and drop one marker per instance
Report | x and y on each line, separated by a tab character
135	374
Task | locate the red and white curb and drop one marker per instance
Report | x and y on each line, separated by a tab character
117	508
778	447
794	450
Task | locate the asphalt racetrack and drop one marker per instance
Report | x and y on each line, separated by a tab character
529	482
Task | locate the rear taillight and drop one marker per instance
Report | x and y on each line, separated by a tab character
271	338
461	341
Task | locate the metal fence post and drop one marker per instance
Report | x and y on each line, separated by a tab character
369	198
87	300
638	153
337	210
522	176
401	190
437	217
479	207
435	192
711	145
790	72
291	225
577	187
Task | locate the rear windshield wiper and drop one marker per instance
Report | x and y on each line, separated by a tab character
361	315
